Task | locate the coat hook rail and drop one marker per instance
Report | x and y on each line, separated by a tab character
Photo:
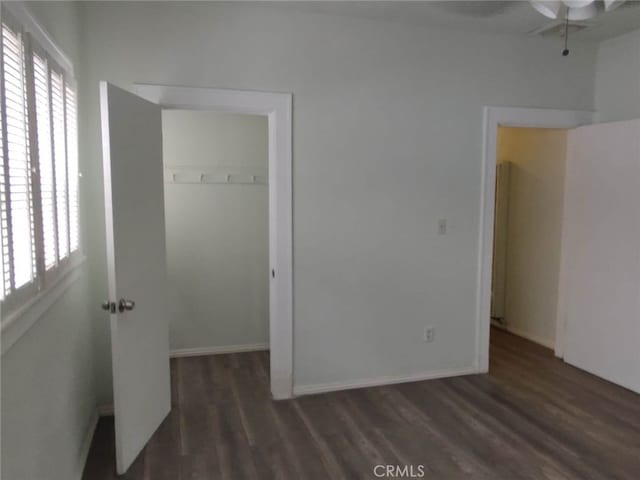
199	177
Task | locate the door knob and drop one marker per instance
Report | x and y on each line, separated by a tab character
126	305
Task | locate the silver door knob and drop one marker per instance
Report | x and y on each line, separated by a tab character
126	305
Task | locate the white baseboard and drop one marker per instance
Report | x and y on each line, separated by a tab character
380	381
545	342
86	445
196	352
105	410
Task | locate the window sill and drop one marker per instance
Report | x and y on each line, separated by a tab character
19	322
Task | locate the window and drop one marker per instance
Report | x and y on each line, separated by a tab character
39	177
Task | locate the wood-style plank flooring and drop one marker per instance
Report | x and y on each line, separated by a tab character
531	417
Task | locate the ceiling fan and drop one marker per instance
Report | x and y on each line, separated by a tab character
574	10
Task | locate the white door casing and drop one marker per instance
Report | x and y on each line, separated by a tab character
278	108
495	117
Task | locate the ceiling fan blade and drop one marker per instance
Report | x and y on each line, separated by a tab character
476	8
548	8
612	4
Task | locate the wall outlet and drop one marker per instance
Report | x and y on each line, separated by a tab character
429	334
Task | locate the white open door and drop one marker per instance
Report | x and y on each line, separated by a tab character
601	252
136	261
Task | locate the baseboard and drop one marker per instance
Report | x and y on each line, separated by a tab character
86	445
380	381
196	352
545	342
105	410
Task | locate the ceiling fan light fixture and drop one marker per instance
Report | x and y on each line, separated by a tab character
578	3
575	10
582	13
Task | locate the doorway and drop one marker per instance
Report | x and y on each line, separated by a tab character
527	231
494	118
217	224
277	108
138	302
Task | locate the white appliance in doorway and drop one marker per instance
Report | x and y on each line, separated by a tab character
499	271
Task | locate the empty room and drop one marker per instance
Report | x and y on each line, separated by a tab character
320	240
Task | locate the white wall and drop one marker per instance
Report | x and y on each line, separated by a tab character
536	184
617	90
217	235
48	378
601	259
387	140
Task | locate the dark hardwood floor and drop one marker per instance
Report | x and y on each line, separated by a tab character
531	417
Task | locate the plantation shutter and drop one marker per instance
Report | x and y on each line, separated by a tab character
39	199
45	158
72	166
60	162
19	262
5	274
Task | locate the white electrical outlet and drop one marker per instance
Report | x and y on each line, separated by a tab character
429	334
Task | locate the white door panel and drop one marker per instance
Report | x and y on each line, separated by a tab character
136	260
602	251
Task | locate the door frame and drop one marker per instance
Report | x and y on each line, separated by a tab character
278	109
495	117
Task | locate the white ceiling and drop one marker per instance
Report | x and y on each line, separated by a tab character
512	17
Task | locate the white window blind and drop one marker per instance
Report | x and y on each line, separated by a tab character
72	167
45	160
17	171
4	225
39	199
60	163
